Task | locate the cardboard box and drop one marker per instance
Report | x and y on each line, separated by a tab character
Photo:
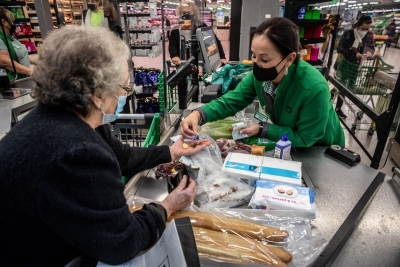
285	171
246	167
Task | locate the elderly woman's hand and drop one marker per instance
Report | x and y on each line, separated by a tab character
181	197
178	148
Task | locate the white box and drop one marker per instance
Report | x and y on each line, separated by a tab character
245	166
285	171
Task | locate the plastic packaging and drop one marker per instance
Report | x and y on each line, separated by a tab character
254	140
271	195
219	129
303	243
222	190
314	53
282	148
237	127
227	145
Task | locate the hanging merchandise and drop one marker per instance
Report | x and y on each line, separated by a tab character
229	74
147	105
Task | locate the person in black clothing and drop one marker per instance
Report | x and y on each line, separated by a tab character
191	11
61	194
391	32
354	45
168	24
111	14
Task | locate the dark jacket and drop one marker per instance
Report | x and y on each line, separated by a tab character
61	193
346	43
174	44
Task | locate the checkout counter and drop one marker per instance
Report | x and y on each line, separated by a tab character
343	194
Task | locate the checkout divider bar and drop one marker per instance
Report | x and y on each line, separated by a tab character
332	250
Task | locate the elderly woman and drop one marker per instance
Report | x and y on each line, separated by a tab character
61	194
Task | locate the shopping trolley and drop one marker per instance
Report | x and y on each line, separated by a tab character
143	131
359	79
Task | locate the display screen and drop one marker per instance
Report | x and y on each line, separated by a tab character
211	47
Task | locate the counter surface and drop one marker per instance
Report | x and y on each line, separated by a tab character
6	111
374	242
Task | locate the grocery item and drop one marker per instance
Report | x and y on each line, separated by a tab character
254	140
271	195
210	237
257	150
222	190
234	255
228	145
282	148
234	226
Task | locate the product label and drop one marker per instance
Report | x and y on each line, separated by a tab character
260	117
281	172
282	153
241	166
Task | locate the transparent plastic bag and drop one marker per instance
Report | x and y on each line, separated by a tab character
280	232
219	129
222	190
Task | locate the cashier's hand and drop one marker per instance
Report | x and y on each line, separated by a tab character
224	61
181	197
251	130
178	151
176	60
190	124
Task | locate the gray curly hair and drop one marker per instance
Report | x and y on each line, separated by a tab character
76	63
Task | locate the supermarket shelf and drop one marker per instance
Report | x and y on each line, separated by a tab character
22	20
307	2
34	21
139	31
12	3
25	36
134	1
150	46
310	22
315	63
32	53
137	14
312	40
38	39
36	30
31	12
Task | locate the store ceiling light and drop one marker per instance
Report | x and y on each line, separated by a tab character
373	3
352	1
365	4
359	4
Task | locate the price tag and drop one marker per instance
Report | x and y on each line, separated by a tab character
260	117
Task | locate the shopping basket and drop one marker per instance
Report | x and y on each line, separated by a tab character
143	131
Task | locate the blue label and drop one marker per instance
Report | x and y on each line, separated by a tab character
301	190
240	166
280	172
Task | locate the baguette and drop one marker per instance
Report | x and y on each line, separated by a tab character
234	226
209	237
233	255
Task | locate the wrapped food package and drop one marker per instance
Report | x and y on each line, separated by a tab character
219	129
227	145
231	225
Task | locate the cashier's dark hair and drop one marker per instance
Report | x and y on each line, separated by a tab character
283	33
75	63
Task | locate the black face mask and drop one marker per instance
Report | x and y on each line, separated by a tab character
266	74
92	7
12	29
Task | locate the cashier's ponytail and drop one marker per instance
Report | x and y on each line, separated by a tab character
283	33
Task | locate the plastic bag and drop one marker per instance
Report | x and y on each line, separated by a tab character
297	236
228	73
219	129
222	190
226	146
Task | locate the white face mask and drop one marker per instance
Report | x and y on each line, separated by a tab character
362	33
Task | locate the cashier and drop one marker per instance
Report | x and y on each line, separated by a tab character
61	194
18	51
293	94
188	12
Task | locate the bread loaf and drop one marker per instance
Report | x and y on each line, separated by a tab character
209	237
233	255
234	226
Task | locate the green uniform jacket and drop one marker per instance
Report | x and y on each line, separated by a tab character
303	107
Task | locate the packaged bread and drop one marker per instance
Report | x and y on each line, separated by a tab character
242	244
233	255
234	226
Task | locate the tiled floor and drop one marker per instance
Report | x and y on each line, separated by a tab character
392	57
